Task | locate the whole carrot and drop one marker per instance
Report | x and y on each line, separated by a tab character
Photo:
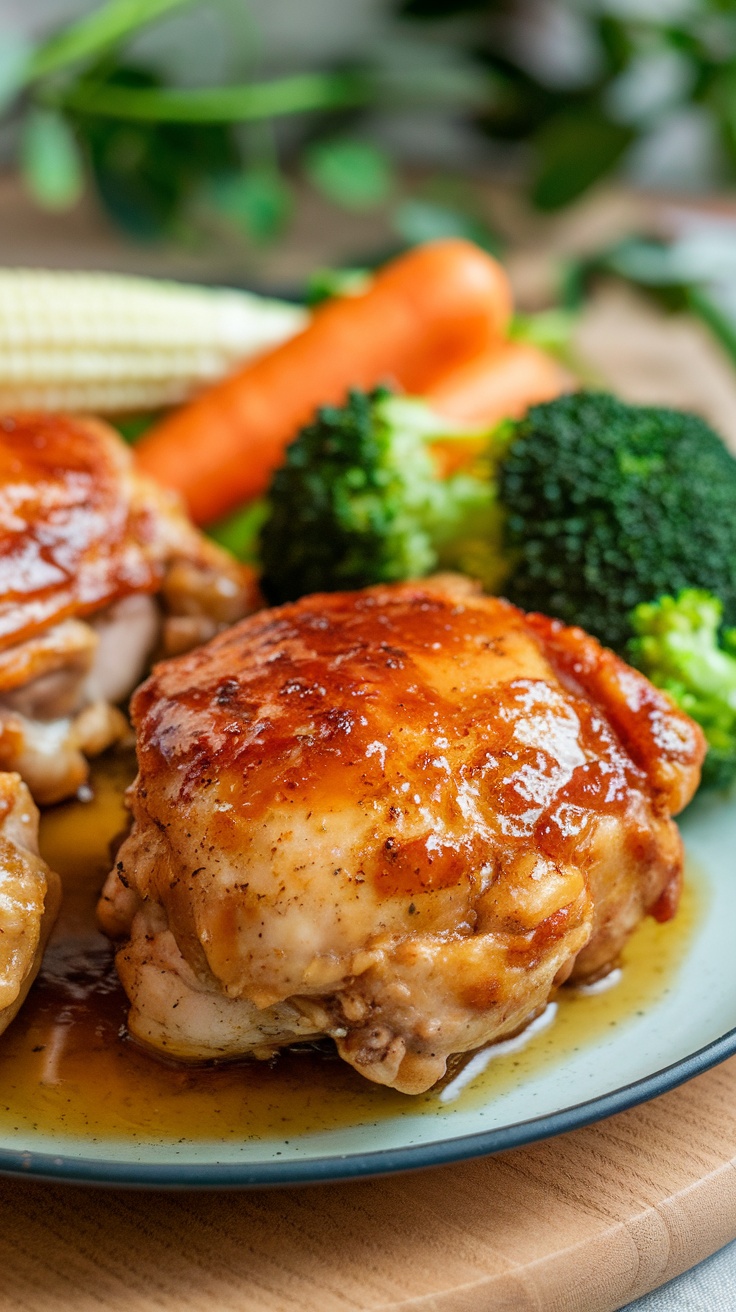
500	383
423	313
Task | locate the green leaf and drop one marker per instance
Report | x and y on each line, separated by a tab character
240	103
642	260
50	160
424	220
323	284
258	201
96	32
15	57
241	531
573	150
132	427
353	173
148	174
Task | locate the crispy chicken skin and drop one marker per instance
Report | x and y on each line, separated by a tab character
98	567
400	817
29	896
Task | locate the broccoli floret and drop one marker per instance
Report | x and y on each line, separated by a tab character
678	646
584	509
609	505
360	501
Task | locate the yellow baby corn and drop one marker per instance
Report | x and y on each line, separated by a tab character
111	343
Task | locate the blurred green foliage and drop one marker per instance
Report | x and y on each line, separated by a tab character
354	174
695	271
182	161
51	159
590	86
570	90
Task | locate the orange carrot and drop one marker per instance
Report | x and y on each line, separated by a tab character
500	383
425	312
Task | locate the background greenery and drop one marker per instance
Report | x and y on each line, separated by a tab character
561	92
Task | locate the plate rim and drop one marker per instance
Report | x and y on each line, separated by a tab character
110	1172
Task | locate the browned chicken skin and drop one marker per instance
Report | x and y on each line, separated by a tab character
399	817
98	568
29	896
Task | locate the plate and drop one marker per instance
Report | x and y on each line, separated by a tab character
667	1016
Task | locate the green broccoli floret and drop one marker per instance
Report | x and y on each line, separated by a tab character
584	509
360	501
609	505
679	647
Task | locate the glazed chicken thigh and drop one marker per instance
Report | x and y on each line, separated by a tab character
98	568
30	894
400	817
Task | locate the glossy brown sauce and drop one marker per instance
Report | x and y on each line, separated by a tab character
66	1066
78	542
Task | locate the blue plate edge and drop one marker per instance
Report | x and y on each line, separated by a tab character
355	1166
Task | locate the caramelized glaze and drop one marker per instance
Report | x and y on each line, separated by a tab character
72	538
662	744
287	705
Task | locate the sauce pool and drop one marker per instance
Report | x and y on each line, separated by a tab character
67	1066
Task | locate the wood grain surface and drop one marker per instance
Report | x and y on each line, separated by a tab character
582	1223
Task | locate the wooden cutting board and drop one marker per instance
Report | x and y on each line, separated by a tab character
582	1223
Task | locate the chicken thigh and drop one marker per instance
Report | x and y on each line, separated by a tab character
98	568
400	817
30	894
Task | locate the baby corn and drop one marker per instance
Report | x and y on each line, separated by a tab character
111	343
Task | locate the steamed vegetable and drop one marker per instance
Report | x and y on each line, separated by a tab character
359	501
680	646
597	506
609	505
428	310
111	343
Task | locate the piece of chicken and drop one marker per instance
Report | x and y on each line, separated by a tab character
30	894
98	568
400	817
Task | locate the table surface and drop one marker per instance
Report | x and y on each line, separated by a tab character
583	1223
